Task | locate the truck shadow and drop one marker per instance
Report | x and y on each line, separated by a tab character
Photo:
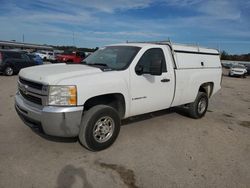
134	119
40	133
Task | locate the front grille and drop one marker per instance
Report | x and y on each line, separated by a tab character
33	91
31	84
31	98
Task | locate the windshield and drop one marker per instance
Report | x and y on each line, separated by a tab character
113	57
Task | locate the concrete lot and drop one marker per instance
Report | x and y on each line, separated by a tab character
163	149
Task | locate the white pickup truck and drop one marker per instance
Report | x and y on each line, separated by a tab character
88	100
46	55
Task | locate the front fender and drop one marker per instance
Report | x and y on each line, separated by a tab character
93	85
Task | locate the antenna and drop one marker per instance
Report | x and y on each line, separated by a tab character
197	44
218	47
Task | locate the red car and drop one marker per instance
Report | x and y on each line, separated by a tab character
74	57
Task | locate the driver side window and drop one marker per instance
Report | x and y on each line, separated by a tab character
152	55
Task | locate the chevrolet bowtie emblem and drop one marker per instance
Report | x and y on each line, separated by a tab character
25	89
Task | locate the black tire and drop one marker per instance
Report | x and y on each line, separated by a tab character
69	61
89	123
8	71
197	111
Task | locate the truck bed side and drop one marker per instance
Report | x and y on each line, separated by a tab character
188	82
194	68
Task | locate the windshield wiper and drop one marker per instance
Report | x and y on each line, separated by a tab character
102	66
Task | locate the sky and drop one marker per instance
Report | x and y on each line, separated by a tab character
221	24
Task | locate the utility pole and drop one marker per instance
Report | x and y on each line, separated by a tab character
23	37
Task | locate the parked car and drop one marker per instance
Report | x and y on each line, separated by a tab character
238	70
38	60
89	100
11	62
72	57
47	55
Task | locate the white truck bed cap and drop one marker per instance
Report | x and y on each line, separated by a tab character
193	48
175	47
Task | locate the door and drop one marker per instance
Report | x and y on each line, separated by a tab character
151	92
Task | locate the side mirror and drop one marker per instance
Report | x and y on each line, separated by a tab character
139	70
156	68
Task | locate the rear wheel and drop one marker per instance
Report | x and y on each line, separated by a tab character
9	71
198	108
99	128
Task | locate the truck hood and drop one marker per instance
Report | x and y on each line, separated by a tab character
52	74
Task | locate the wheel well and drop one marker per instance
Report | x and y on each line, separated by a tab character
115	100
207	88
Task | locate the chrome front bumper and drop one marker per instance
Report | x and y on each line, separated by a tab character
54	121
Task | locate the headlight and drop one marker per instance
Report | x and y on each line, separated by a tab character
62	95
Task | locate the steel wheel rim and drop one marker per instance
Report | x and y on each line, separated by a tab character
202	105
103	129
9	71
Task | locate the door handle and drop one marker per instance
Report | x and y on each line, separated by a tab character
165	80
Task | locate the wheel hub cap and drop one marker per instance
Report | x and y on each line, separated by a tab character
9	71
103	129
202	105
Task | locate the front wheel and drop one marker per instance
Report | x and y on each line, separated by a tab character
99	128
198	108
